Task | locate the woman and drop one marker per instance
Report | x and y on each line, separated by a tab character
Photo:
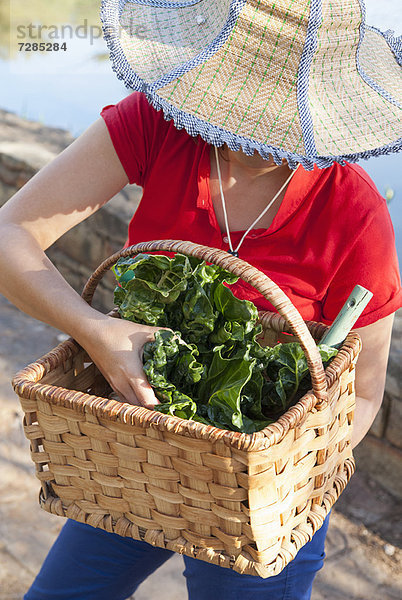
254	83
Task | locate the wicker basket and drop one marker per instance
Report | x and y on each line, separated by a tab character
248	502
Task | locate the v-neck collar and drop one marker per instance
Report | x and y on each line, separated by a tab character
295	193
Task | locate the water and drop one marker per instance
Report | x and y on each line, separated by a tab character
69	88
61	88
71	101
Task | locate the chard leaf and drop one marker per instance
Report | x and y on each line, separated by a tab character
186	369
287	368
227	330
327	353
136	307
159	358
233	309
147	283
294	362
198	312
253	425
223	385
180	406
172	358
211	274
251	396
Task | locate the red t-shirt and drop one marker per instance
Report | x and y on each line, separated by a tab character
332	230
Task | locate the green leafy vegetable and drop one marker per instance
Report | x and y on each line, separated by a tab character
208	366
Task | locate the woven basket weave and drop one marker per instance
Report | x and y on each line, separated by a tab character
243	501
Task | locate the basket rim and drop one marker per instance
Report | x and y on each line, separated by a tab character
26	384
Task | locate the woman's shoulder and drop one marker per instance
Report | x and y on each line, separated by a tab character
350	191
136	103
140	134
135	111
354	181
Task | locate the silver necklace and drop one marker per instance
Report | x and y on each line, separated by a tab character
235	251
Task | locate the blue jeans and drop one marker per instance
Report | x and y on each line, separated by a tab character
90	564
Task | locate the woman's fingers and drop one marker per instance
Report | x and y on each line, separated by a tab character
121	397
144	394
116	347
134	390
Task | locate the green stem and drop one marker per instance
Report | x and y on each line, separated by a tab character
165	275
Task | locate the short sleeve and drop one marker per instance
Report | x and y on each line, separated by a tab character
371	262
136	130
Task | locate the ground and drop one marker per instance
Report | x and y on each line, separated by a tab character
363	548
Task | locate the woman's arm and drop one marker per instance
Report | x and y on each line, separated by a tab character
76	184
371	372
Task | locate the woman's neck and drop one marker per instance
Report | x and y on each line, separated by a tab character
251	167
249	183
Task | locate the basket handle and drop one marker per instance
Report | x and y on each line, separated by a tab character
261	282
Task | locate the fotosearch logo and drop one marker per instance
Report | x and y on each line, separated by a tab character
39	32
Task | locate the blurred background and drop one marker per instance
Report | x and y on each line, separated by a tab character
67	89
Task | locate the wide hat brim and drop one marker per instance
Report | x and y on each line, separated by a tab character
303	80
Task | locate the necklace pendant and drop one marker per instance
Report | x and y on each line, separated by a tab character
234	253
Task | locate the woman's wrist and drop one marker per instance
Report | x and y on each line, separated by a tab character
86	325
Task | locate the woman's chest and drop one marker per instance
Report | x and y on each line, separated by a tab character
245	206
247	203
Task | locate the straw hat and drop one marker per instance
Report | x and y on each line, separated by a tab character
305	80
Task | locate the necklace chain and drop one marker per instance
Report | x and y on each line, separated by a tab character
235	251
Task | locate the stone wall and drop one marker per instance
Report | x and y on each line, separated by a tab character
25	147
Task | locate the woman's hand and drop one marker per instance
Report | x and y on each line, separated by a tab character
116	347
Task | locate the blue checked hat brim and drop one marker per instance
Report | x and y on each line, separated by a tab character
169	71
